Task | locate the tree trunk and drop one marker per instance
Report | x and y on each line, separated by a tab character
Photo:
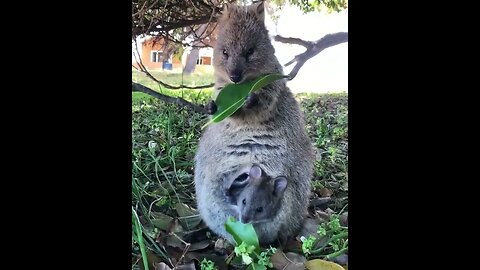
193	55
191	61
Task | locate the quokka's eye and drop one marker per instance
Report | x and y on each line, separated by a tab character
225	53
244	202
249	52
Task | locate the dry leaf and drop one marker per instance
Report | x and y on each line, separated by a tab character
152	259
322	216
196	235
175	226
325	192
161	220
341	259
288	261
320	202
174	241
162	266
318	264
309	227
344	219
222	246
186	266
188	216
199	245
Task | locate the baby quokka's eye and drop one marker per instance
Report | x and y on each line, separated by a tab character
244	202
225	53
259	209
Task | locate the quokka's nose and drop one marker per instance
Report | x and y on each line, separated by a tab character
245	219
236	76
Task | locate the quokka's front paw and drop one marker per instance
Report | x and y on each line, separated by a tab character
251	101
211	107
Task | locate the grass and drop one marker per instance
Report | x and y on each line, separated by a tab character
164	142
326	119
195	79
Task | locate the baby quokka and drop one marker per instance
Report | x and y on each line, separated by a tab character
255	196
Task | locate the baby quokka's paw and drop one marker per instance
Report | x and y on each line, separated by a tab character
211	107
251	100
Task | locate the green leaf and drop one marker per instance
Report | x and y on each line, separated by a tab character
139	238
233	96
246	259
240	249
257	266
242	233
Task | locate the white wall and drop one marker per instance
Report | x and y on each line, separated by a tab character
328	70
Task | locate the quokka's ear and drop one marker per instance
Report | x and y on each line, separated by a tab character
236	180
227	11
280	184
258	9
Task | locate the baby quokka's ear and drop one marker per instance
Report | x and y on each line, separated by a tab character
279	186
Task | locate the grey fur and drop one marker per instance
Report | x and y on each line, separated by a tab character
271	133
256	197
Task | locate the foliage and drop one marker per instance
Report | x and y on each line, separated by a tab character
207	265
247	246
177	19
316	5
335	240
164	141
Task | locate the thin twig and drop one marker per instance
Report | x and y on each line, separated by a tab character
187	247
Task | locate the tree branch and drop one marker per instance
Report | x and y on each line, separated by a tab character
136	87
170	26
174	87
297	41
313	48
